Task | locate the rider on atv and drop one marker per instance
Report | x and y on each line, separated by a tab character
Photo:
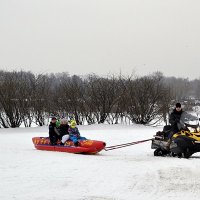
177	119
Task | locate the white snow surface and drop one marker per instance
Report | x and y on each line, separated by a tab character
130	173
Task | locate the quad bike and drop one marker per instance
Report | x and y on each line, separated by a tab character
182	144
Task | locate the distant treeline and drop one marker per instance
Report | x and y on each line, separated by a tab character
26	97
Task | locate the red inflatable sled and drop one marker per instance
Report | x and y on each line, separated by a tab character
85	146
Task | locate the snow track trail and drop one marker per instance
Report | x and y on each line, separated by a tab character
130	173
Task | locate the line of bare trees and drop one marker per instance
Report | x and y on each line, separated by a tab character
28	98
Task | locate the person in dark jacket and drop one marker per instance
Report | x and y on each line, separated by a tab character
177	119
174	118
63	130
54	134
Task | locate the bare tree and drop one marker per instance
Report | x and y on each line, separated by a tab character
102	95
10	97
71	92
180	88
145	96
39	98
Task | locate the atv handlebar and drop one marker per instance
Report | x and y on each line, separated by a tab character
192	126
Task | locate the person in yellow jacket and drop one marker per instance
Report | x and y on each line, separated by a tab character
74	134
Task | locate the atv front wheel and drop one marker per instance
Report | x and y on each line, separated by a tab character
187	153
158	152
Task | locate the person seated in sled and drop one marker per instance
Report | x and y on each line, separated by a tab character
74	134
177	119
54	134
63	130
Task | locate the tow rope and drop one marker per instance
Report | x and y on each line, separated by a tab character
125	145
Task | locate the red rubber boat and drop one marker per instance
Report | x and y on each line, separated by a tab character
85	146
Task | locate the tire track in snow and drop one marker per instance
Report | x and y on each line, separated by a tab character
176	183
147	184
165	178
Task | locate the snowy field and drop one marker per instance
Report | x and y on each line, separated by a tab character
130	173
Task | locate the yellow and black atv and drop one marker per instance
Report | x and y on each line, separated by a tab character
183	144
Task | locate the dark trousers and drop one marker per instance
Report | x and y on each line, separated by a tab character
173	130
53	139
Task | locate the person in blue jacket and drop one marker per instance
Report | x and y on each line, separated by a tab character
74	134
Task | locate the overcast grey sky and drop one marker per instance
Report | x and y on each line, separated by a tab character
101	36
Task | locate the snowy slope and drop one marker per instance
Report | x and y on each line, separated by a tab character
130	173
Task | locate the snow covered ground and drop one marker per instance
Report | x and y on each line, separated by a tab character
130	173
